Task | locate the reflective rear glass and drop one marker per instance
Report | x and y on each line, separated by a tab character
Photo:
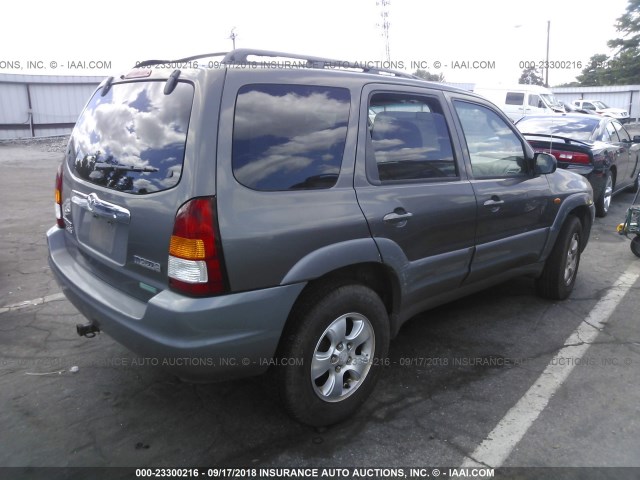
577	128
133	138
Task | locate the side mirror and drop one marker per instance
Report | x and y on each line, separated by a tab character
636	139
544	163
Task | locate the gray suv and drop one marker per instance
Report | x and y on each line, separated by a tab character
284	213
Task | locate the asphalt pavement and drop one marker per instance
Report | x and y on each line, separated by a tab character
455	373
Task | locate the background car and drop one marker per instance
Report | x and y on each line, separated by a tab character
599	148
601	108
570	108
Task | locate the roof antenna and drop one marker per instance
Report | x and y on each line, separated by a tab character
233	37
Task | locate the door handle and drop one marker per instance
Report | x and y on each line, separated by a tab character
494	203
399	217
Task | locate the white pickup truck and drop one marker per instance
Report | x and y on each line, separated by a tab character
601	108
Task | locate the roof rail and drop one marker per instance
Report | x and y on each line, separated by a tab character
148	63
240	55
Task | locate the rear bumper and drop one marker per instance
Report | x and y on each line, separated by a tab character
198	339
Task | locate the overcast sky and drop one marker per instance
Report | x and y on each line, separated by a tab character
495	34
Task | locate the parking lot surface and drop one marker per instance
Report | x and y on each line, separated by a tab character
455	373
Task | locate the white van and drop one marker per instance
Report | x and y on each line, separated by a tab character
520	100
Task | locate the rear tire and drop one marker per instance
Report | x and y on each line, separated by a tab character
604	200
561	268
340	337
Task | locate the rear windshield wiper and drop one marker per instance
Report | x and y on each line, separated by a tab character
128	168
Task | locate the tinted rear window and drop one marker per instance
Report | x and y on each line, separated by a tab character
514	98
133	138
580	128
289	137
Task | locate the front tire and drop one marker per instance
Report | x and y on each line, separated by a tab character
341	339
635	245
561	268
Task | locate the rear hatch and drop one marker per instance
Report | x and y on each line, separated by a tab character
121	182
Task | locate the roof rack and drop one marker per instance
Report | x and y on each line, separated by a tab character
148	63
240	57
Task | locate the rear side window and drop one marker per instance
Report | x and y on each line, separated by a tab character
610	134
133	138
514	98
410	139
289	137
622	133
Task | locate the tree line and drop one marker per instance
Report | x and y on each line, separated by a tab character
620	68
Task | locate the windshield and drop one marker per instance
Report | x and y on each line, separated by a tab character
551	100
600	104
132	139
581	128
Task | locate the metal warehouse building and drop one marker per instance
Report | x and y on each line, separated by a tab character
42	105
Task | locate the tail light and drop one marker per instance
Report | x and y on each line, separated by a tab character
58	197
568	156
195	255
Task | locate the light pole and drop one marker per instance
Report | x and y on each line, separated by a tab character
546	73
546	67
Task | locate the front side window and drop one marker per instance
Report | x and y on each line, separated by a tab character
494	149
409	137
534	101
289	137
133	138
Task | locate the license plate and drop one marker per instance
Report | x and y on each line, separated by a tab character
102	234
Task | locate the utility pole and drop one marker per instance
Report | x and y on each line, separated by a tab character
233	36
384	13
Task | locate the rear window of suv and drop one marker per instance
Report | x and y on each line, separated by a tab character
132	139
289	137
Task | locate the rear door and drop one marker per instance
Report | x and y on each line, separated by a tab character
630	154
514	205
123	167
412	188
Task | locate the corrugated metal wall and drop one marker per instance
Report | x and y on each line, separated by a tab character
55	101
624	96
